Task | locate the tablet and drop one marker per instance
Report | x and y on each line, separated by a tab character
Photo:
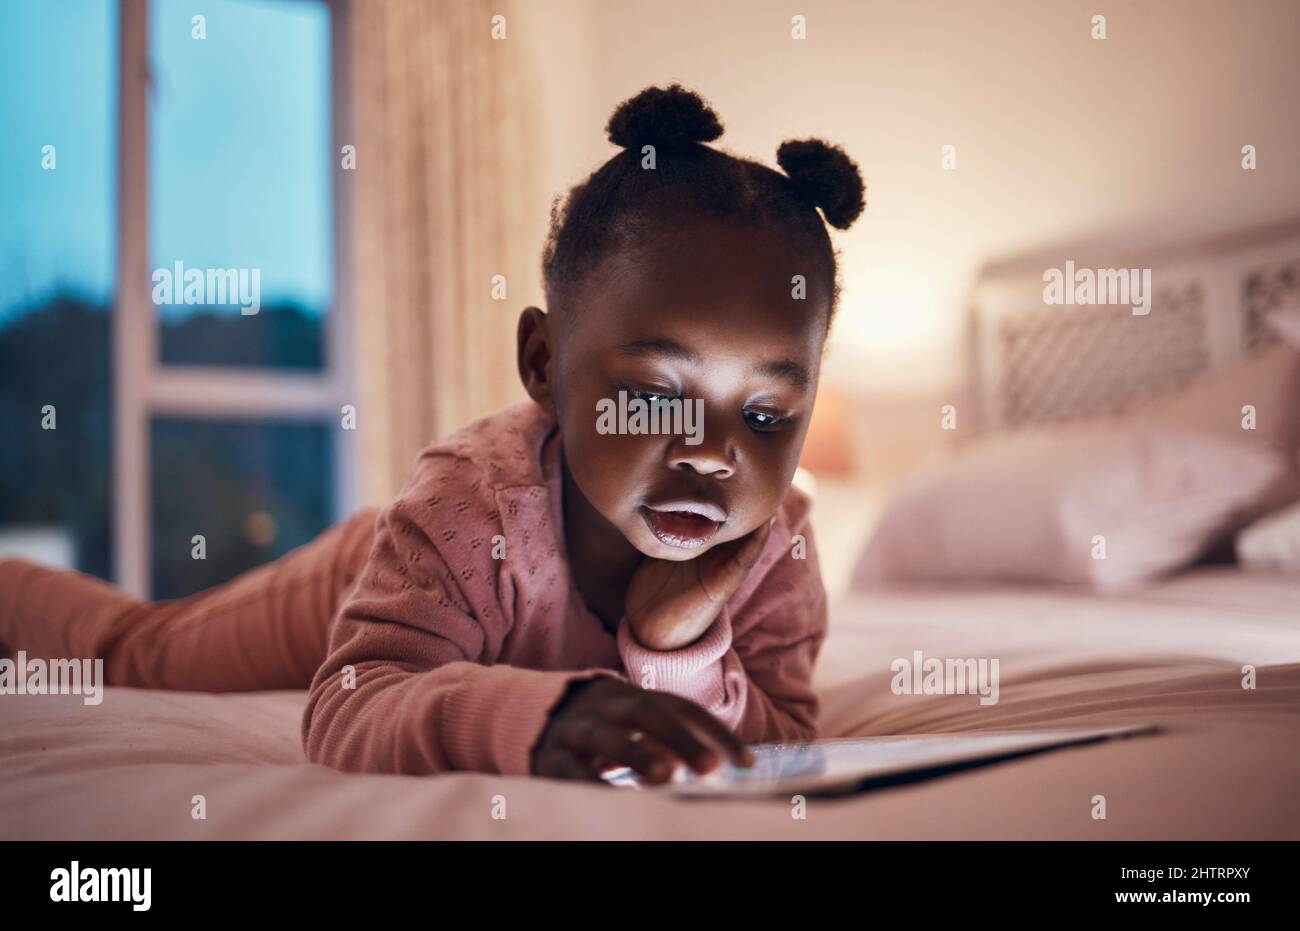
843	765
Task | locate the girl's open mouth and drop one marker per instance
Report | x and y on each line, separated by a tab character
685	529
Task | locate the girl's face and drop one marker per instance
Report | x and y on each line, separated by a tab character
706	313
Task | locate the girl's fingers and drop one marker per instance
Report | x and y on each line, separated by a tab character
651	759
751	546
723	577
561	763
659	723
667	762
732	745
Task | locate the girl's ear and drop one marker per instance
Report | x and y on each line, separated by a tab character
535	356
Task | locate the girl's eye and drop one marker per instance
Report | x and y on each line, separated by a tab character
650	397
763	421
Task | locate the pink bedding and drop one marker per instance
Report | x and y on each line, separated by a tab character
1225	765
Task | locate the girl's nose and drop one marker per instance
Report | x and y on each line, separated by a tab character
712	456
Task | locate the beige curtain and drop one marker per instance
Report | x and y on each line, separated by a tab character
444	197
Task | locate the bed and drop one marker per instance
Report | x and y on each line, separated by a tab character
1178	653
1225	764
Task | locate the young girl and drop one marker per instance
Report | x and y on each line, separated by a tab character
546	596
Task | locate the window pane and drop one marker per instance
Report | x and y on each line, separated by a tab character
240	176
253	490
58	211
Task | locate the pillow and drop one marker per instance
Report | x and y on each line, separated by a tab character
1272	542
1269	382
1101	507
1286	323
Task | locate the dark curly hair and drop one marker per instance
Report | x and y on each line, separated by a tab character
621	203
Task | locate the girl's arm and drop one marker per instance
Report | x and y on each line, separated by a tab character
407	685
753	667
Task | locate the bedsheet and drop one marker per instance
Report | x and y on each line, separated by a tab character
1225	764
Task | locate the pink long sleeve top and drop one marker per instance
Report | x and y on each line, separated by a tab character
466	627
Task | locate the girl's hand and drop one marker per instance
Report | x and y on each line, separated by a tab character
606	722
670	604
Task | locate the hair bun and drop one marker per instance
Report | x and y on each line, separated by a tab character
826	177
663	117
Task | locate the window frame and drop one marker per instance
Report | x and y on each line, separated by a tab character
143	386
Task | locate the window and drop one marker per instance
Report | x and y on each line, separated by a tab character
196	337
58	226
250	488
239	180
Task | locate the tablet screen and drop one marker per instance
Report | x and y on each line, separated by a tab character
846	762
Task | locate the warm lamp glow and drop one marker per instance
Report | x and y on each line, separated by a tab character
828	448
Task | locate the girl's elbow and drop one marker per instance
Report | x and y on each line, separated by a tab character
321	743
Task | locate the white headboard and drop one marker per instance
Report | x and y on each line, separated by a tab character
1034	363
